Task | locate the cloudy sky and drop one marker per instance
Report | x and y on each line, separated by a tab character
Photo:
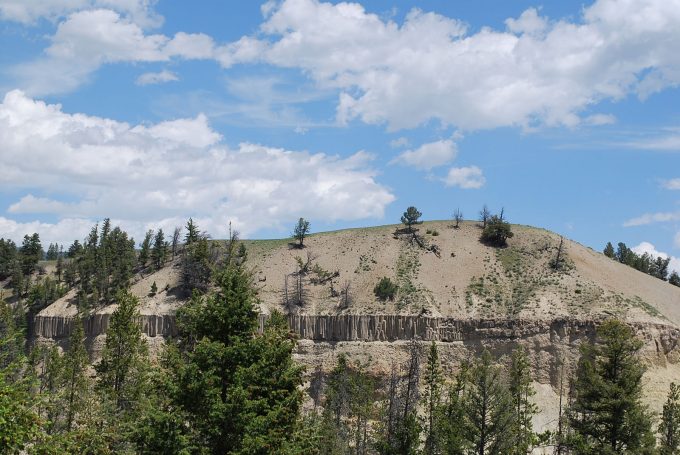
567	114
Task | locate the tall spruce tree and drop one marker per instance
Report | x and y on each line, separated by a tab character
521	391
19	423
239	389
451	418
434	381
607	415
669	428
159	250
120	372
488	409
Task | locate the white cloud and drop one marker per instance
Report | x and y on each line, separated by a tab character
154	174
465	177
400	142
156	78
650	218
429	155
668	141
672	184
676	240
536	72
30	11
88	39
600	119
646	247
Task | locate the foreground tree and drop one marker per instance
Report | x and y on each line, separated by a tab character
434	380
239	389
121	370
19	423
669	429
411	217
607	415
488	409
300	231
521	391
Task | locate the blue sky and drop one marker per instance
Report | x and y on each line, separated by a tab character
567	114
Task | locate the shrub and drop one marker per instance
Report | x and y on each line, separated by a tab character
496	232
385	289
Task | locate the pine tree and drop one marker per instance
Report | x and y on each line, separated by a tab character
451	417
497	231
175	240
674	278
521	392
159	250
433	389
121	369
609	251
193	234
607	416
300	231
669	429
145	248
411	217
484	216
488	409
241	390
30	253
76	361
19	424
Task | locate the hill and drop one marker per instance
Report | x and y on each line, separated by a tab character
453	289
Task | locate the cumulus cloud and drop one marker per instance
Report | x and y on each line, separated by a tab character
146	174
646	247
537	71
465	177
88	39
429	155
156	78
30	11
651	218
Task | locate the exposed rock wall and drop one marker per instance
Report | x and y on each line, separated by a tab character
374	328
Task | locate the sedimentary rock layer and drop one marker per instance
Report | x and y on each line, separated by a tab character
350	327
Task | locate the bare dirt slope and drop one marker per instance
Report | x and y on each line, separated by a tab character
467	280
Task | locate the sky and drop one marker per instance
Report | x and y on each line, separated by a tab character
566	114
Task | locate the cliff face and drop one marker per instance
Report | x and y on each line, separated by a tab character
660	340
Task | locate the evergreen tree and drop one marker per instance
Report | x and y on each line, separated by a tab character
30	253
524	410
609	251
488	409
8	256
145	248
433	389
74	250
411	217
674	278
121	369
159	250
193	234
497	231
241	390
607	416
196	265
300	231
19	423
669	429
451	417
76	386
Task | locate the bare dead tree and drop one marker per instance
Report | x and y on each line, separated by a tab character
557	262
457	217
484	216
175	240
345	295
